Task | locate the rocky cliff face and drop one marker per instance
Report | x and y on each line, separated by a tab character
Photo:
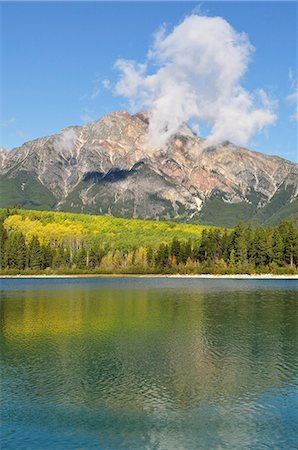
108	167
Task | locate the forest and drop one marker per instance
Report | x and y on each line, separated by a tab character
34	242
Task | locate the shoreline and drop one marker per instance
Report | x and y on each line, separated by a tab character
175	276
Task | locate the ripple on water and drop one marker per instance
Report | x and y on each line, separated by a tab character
186	366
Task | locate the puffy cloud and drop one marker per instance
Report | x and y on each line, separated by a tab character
193	74
65	140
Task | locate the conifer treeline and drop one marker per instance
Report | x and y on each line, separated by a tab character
242	250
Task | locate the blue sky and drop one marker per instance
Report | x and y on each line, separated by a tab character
55	57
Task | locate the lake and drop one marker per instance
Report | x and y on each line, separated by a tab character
149	363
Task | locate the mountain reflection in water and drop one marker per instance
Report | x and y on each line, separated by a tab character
141	363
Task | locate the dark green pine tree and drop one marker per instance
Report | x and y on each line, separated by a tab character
260	247
277	248
203	246
188	249
248	236
35	257
195	252
217	237
3	238
47	256
226	240
150	256
22	252
185	252
240	246
239	243
162	256
232	259
175	248
288	232
10	251
295	251
212	245
15	251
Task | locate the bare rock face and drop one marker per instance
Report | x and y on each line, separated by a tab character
3	154
108	167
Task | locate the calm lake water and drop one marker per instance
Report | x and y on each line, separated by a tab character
143	363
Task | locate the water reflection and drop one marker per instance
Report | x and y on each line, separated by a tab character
115	367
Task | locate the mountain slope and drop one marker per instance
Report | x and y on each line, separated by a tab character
108	167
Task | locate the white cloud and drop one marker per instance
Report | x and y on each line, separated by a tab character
200	10
65	141
292	98
106	83
193	73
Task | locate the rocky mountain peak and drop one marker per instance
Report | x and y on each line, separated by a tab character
109	166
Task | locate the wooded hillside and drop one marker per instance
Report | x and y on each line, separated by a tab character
74	243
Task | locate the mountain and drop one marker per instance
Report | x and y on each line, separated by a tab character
108	167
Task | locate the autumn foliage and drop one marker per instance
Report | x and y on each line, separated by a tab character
36	241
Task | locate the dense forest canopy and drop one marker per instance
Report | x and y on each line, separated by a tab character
51	242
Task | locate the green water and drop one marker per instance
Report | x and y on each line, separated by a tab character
148	363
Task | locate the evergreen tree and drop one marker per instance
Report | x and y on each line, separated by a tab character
47	253
150	256
226	245
196	252
3	237
239	243
260	248
218	244
184	252
289	235
212	245
162	256
203	246
35	256
232	259
15	251
240	247
22	252
175	248
277	248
